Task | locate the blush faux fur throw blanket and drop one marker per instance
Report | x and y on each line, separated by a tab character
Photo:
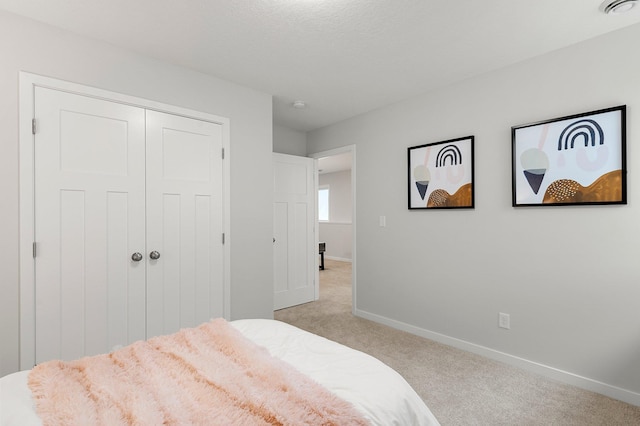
208	375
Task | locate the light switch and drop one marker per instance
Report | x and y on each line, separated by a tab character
383	221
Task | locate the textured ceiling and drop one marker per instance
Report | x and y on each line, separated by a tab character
342	57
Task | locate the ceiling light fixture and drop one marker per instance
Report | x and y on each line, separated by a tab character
618	6
299	105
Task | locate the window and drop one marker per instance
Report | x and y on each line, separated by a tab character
323	203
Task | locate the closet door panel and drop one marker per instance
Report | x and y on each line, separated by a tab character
89	219
71	289
184	222
204	295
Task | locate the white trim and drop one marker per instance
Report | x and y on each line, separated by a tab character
27	85
328	153
624	395
340	259
316	233
27	225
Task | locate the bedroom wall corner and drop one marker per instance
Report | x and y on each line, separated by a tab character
289	141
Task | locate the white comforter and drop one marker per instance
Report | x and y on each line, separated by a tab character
376	390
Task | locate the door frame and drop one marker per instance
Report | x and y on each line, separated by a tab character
345	149
27	84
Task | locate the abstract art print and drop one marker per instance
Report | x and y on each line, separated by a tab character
441	175
578	159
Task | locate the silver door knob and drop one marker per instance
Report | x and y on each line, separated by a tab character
154	255
136	257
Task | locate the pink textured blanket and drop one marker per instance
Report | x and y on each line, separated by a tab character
209	375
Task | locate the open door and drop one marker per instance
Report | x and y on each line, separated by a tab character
295	246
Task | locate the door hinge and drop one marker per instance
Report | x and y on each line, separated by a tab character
223	153
33	126
223	238
33	249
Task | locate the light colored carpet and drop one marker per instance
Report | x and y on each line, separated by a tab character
459	387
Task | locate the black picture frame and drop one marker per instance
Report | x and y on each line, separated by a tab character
573	160
441	174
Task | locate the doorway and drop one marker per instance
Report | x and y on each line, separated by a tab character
337	223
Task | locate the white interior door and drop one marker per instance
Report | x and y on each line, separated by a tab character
89	219
110	181
295	247
184	222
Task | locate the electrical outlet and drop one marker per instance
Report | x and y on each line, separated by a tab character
504	321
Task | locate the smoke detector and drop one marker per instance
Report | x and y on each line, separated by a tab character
618	6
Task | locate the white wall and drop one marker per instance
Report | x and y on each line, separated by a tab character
568	276
338	239
289	141
40	49
337	232
340	203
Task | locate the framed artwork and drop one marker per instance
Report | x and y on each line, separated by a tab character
441	175
578	159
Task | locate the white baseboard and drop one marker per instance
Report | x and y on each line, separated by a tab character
341	259
614	392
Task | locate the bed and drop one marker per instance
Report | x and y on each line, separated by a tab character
378	393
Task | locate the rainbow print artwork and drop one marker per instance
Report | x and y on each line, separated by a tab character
441	174
578	159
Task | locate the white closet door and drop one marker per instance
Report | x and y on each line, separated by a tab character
294	215
89	220
184	222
